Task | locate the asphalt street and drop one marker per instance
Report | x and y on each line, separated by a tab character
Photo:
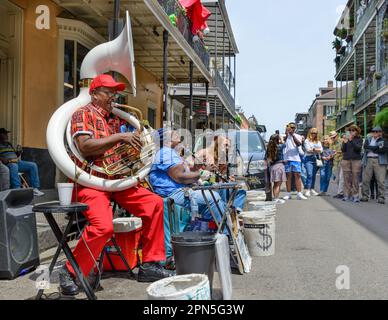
313	238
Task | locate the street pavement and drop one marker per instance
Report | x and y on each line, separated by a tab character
313	238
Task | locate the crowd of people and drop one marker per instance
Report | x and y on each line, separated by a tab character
347	159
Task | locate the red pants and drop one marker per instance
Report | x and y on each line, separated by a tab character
138	201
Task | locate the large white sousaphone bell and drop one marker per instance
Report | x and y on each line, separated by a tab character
118	56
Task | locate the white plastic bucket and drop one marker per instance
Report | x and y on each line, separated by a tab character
255	195
259	232
269	207
65	192
184	287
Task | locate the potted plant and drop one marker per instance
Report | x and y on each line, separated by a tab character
336	44
343	33
378	76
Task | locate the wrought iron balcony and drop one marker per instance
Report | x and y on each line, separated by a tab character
363	17
176	12
341	59
219	82
345	117
366	93
383	82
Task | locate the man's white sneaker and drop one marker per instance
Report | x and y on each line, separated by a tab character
280	201
307	193
314	193
38	193
287	197
300	196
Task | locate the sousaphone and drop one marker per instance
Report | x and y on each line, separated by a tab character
118	56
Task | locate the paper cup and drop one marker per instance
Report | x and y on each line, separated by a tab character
65	192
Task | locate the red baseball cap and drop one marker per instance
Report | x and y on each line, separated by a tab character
105	80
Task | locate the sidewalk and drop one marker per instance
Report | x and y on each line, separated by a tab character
313	238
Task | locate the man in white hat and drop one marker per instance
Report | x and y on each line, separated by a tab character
337	168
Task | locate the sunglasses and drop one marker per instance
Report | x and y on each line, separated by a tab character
109	93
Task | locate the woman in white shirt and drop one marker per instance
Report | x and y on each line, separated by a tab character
313	148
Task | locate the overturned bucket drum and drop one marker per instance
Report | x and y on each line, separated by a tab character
185	287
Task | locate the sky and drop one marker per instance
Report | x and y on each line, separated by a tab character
285	55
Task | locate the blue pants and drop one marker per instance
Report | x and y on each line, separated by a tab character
303	175
29	168
326	172
180	199
239	200
311	168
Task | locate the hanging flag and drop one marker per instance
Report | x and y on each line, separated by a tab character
197	13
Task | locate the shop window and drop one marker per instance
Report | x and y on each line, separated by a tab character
73	56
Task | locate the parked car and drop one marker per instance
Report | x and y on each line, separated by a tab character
247	157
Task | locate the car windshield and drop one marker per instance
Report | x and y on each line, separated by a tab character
249	142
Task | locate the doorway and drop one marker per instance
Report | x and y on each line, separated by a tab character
10	69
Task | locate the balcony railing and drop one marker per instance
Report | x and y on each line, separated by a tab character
219	82
173	7
383	82
363	16
345	117
344	57
366	93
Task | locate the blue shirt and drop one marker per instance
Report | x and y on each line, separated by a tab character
165	159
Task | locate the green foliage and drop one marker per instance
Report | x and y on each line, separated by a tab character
382	118
173	19
336	44
343	33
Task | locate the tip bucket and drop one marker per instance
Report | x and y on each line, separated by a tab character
259	232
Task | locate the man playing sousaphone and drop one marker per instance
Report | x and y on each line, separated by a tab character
96	131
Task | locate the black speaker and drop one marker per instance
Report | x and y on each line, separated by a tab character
18	234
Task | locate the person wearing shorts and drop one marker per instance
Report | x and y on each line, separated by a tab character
293	164
277	171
